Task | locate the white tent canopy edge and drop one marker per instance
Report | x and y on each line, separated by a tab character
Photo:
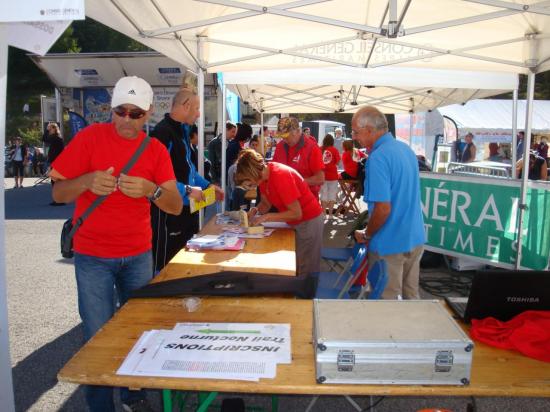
345	89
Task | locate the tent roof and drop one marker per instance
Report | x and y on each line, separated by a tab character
496	115
243	35
344	89
104	69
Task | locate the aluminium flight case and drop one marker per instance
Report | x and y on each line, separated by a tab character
389	342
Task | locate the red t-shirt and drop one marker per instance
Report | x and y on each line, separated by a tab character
350	165
121	225
304	157
285	186
331	157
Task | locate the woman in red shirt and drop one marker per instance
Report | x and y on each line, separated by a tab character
286	190
350	159
329	190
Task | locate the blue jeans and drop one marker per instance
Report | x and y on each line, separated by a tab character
101	282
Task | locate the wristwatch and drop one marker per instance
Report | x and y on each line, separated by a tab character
188	190
156	194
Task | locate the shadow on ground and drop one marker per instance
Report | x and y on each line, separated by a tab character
37	373
33	202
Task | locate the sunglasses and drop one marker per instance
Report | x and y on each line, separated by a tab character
133	114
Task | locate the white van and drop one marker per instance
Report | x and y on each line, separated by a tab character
320	128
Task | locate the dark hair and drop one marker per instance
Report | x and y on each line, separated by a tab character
244	132
229	125
255	138
193	130
328	141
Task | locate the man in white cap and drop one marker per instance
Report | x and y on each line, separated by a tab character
113	246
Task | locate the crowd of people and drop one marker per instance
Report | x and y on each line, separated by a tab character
145	217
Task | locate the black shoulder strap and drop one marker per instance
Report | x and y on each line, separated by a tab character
100	199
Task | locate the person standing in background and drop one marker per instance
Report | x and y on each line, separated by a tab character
329	189
19	156
469	151
171	232
215	152
56	146
300	152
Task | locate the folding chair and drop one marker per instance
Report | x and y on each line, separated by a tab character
337	257
348	190
377	279
334	285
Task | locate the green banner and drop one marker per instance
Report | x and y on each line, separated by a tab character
478	218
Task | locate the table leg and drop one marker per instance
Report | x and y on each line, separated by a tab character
167	400
205	400
274	403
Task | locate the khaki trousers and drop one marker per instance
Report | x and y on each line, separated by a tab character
309	241
403	273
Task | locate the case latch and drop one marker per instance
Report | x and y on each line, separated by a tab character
443	360
346	360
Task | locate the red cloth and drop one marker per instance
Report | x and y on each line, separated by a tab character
285	186
121	225
528	333
331	157
304	157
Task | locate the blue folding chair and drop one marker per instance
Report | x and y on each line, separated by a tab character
337	257
334	285
377	279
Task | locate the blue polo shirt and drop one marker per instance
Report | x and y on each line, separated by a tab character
392	176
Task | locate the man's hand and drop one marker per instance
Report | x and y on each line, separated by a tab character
134	186
196	194
220	195
360	236
101	182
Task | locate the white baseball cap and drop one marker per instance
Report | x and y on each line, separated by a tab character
132	90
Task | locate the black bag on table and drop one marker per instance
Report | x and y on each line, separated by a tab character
228	283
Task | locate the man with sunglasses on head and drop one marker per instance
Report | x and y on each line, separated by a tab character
171	233
112	248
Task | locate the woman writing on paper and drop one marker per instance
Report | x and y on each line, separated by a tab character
286	190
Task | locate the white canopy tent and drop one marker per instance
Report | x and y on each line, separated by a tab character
345	89
493	115
79	70
228	35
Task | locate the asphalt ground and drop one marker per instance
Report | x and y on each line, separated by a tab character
45	327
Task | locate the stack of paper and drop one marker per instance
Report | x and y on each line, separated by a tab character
235	351
215	242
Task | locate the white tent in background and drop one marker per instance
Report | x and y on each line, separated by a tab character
345	89
493	116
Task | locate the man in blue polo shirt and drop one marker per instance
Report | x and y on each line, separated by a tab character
395	231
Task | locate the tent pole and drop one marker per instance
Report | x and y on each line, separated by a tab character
200	84
514	131
224	144
525	172
411	114
262	134
6	388
59	110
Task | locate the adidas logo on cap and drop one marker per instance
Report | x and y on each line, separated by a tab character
132	90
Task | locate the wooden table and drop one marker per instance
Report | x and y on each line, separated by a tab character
495	372
274	255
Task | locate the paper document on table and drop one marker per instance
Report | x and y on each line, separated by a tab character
236	351
209	199
259	341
